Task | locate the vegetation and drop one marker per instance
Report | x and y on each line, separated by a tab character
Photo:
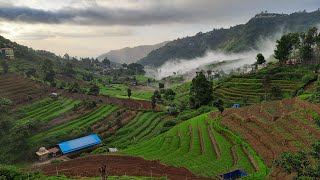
200	91
305	165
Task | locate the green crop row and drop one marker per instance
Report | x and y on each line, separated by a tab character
181	146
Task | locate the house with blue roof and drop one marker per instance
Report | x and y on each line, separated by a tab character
79	143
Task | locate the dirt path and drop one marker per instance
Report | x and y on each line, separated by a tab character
201	139
191	135
117	166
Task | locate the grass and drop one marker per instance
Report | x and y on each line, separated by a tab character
173	148
120	91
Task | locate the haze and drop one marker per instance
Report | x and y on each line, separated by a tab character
89	28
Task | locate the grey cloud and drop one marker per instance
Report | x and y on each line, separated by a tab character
155	12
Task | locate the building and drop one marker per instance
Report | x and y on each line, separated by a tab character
43	153
7	53
261	66
235	174
293	61
79	144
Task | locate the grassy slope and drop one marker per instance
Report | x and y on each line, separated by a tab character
173	148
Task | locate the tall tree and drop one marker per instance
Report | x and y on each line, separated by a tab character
49	73
308	41
5	66
200	91
129	92
260	59
106	62
283	48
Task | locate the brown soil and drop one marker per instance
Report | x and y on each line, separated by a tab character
117	166
214	142
201	139
272	128
252	160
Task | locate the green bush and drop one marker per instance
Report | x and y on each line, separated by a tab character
169	123
308	78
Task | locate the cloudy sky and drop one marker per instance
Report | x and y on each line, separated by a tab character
88	28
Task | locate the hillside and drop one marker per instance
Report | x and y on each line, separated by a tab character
239	38
130	55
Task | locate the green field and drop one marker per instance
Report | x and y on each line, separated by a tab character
82	122
236	89
189	145
120	91
46	110
143	127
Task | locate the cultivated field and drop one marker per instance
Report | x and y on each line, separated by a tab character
275	127
200	147
235	90
117	165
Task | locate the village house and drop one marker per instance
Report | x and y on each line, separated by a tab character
7	53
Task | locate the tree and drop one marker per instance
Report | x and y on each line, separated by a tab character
161	85
94	89
276	92
283	48
308	41
68	69
200	91
129	92
153	102
260	59
221	108
5	105
31	72
106	62
5	66
49	73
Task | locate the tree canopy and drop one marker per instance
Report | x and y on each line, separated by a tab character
200	91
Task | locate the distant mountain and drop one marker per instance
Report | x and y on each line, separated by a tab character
239	38
130	55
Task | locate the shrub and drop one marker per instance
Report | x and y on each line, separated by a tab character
169	123
306	79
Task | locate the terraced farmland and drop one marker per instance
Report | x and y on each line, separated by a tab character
200	147
83	122
235	90
144	126
47	109
275	127
21	90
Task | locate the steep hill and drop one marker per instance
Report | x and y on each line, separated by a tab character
130	55
239	38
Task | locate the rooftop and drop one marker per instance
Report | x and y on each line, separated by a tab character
80	143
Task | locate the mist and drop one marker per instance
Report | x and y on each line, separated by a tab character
188	67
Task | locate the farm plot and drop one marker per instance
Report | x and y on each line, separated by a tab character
143	127
20	89
238	89
117	166
196	145
82	122
46	110
275	127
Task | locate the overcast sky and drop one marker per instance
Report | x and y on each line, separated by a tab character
88	28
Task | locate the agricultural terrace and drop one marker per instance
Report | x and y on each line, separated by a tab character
120	91
20	90
182	92
200	147
46	109
79	124
236	89
144	126
276	127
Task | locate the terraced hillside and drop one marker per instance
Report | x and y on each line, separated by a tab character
237	89
21	90
205	149
76	124
275	127
144	126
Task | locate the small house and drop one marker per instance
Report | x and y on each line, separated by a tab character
43	154
53	95
7	53
293	61
53	151
79	144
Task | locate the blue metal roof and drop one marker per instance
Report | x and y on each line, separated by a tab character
80	143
